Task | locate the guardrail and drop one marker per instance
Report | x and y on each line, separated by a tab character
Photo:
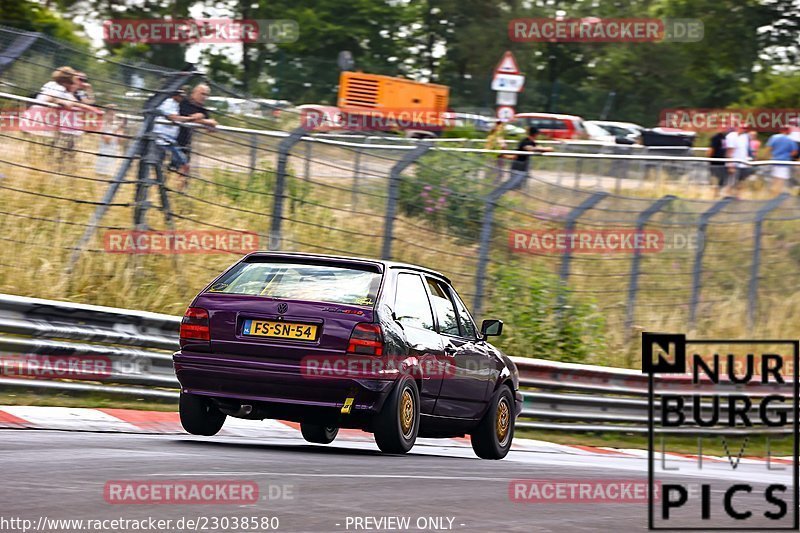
558	396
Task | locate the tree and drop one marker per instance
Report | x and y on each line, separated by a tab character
31	16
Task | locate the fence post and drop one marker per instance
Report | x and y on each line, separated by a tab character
515	181
752	293
307	166
356	174
280	183
253	153
697	270
391	201
21	44
569	227
633	285
147	162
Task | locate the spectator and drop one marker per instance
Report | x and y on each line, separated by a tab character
64	123
194	109
737	146
755	144
41	119
60	90
167	134
782	148
717	151
496	141
520	164
110	145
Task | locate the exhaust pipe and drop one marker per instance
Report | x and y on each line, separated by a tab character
243	411
237	411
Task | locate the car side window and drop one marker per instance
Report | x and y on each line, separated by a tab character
443	307
468	328
411	305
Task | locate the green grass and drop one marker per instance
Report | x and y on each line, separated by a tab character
756	445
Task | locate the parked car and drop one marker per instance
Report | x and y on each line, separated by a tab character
480	123
568	127
624	132
598	133
338	342
673	137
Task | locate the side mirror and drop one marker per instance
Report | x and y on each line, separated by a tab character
491	328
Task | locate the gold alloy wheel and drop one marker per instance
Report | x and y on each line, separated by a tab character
503	422
407	413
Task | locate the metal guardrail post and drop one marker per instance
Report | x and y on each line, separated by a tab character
569	226
752	292
391	201
280	184
515	181
697	270
633	285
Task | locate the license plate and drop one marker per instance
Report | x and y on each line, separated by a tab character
280	330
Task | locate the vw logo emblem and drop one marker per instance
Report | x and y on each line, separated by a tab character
282	308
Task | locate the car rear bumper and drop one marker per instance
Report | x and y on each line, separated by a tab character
279	384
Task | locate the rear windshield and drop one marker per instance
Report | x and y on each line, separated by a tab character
298	281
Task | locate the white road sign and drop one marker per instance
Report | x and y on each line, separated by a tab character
508	82
505	113
506	98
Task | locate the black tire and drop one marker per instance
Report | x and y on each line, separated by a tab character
397	425
317	433
495	432
199	415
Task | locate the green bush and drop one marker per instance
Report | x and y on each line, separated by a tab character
543	318
447	191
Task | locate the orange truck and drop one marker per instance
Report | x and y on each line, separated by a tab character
388	103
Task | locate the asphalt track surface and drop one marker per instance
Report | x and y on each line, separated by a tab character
62	474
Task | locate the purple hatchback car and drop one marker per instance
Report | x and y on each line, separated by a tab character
333	342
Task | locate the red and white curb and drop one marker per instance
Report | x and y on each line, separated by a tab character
159	422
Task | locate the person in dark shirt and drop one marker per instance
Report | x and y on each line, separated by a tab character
194	108
717	151
522	161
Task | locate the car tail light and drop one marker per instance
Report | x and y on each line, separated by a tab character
194	325
366	339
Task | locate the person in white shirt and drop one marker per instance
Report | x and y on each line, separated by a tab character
737	146
167	134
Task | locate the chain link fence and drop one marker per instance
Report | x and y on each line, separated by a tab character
717	266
